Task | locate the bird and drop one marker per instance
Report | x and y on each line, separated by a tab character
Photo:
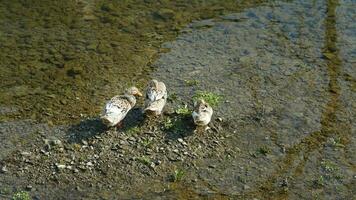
202	113
156	98
117	107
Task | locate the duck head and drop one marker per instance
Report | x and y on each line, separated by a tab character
133	91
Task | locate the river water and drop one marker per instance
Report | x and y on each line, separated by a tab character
285	71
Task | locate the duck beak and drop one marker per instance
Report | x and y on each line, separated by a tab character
139	94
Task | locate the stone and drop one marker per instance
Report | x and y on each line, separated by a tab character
246	187
60	166
165	14
4	169
25	153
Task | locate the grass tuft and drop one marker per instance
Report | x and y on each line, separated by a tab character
178	175
191	82
144	160
211	98
21	195
183	110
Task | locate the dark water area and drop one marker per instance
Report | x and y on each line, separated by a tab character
284	128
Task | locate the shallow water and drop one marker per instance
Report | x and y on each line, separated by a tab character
287	72
285	69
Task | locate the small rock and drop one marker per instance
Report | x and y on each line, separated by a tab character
246	187
166	14
29	187
284	183
52	142
176	151
212	166
44	152
25	153
89	164
85	143
219	119
180	140
60	166
152	165
4	169
57	142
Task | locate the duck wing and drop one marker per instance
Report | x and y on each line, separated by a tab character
156	93
118	106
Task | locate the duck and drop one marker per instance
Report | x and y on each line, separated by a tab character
156	98
117	107
202	113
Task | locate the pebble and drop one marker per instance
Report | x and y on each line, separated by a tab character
44	152
25	153
176	151
89	164
246	187
212	166
152	165
4	169
57	142
180	140
60	166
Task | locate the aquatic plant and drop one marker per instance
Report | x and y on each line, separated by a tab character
168	123
320	181
21	195
264	150
178	175
209	97
191	82
329	166
172	97
133	131
144	160
146	142
336	142
184	110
